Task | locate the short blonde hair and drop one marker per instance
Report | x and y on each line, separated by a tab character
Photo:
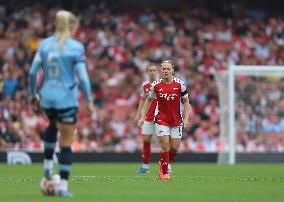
169	62
63	22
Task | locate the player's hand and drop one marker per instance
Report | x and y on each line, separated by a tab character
90	108
137	118
185	124
35	104
140	123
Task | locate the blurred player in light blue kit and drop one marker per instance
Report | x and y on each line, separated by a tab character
63	61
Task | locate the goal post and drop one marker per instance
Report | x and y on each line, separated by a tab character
226	84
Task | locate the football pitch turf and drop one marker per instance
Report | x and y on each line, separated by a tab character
118	182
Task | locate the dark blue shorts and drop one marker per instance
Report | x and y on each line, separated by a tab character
67	116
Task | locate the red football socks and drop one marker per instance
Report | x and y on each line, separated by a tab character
164	160
146	152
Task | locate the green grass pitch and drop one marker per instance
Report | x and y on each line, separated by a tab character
111	182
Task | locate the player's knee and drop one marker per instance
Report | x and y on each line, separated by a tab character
174	149
165	146
65	141
147	138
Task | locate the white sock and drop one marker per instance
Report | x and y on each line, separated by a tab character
146	166
48	164
64	185
169	166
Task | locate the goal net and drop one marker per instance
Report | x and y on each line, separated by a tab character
251	100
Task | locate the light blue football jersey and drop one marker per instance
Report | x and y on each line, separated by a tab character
62	68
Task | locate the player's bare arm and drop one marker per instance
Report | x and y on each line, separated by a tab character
90	108
144	111
186	113
35	104
139	110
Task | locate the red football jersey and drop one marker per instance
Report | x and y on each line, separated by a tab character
144	93
169	99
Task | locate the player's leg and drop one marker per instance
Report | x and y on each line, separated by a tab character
175	139
174	147
163	135
66	155
147	133
66	125
50	139
146	154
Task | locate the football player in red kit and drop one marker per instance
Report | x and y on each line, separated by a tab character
169	92
148	129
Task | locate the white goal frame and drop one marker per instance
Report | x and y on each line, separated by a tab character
248	70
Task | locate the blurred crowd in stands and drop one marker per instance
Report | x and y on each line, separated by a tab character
260	113
119	46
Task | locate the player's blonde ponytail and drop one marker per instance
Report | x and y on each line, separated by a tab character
63	24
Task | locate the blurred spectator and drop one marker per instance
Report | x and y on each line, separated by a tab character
10	83
260	120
